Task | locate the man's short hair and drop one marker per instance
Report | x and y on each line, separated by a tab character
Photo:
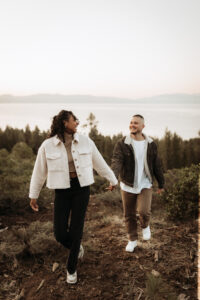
139	116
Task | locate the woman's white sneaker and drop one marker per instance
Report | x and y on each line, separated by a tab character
131	246
146	232
71	278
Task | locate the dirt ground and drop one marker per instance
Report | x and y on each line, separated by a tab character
107	271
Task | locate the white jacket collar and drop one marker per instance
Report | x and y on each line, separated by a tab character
56	140
128	139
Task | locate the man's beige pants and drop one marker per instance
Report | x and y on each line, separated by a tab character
136	203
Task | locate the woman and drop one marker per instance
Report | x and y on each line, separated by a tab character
66	159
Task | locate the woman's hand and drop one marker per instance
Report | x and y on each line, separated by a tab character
111	187
34	205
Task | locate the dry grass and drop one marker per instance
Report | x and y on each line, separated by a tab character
157	289
111	198
10	245
37	238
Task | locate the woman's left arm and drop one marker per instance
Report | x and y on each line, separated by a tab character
101	166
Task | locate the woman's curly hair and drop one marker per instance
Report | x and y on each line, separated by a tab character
57	126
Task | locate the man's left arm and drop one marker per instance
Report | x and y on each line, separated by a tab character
158	170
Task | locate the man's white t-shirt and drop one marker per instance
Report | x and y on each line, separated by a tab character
141	180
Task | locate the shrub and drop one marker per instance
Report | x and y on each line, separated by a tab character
4	153
111	198
40	237
10	245
37	238
99	185
21	151
181	193
15	174
157	289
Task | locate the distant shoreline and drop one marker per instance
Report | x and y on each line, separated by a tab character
57	98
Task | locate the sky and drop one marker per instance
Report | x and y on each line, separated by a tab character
120	48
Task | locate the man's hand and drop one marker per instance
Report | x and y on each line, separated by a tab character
111	187
160	191
34	205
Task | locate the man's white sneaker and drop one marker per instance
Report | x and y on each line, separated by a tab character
81	252
71	278
146	232
131	246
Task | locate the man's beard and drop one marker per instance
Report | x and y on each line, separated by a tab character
135	132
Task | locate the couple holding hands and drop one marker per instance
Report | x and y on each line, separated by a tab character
66	160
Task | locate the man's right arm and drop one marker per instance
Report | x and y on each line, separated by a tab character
117	159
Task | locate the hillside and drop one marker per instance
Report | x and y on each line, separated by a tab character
107	271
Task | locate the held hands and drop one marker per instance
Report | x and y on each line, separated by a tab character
34	205
111	187
160	191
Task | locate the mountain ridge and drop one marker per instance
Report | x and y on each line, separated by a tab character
60	98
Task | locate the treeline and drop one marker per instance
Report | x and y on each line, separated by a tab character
11	136
173	150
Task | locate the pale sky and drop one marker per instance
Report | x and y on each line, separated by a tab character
121	48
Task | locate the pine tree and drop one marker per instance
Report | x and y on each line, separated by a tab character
176	146
27	135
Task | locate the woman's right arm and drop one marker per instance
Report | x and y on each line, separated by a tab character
34	205
38	178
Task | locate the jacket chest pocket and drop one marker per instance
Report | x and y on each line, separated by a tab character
85	158
54	162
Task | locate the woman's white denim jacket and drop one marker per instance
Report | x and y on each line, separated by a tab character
52	164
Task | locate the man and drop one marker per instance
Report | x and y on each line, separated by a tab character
135	161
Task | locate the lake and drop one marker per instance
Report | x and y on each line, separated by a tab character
184	119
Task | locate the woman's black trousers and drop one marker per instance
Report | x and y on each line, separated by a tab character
70	206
